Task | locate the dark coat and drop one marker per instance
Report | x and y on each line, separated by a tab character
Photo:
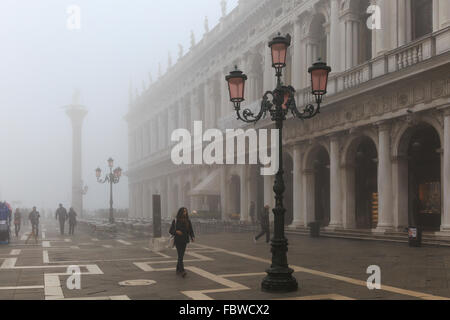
265	223
185	228
61	214
72	217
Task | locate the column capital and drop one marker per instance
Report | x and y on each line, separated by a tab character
445	110
384	125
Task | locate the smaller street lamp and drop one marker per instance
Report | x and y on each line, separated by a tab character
112	178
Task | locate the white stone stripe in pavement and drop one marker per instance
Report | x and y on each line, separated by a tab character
46	244
45	256
22	288
123	242
15	252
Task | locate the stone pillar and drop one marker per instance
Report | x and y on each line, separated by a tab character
335	39
224	196
297	57
145	208
382	36
308	196
77	113
335	184
131	206
244	194
445	225
268	70
385	210
299	218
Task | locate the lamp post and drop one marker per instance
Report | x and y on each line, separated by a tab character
112	178
278	103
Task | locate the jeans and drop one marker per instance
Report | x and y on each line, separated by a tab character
265	231
71	228
61	226
17	229
181	248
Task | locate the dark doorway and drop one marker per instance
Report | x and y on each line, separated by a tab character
366	185
424	182
322	187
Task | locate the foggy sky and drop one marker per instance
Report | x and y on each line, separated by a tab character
42	63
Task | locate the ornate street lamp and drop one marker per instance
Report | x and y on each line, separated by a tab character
112	178
278	103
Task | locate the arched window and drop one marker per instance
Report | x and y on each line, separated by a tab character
422	18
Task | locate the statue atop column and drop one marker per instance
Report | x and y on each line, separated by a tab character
192	39
223	5
206	25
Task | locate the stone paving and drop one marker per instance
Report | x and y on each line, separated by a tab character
222	266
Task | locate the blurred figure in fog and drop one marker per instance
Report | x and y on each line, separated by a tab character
34	220
252	212
265	224
61	215
72	221
17	221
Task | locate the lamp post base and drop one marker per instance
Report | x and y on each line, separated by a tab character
279	280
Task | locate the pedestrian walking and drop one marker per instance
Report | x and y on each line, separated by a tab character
61	215
265	224
34	220
252	212
72	221
17	221
183	233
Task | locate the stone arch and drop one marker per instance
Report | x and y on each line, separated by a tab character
360	181
418	175
317	183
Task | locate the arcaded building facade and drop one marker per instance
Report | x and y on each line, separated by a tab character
377	157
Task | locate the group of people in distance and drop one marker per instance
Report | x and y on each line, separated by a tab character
34	216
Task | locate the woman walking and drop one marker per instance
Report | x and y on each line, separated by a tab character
183	233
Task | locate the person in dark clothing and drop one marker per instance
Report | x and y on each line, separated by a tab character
72	221
61	215
34	220
265	225
183	233
17	221
252	212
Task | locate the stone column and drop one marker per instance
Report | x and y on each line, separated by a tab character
224	196
385	210
445	225
335	184
299	218
268	70
297	57
335	43
77	113
145	207
131	206
244	194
